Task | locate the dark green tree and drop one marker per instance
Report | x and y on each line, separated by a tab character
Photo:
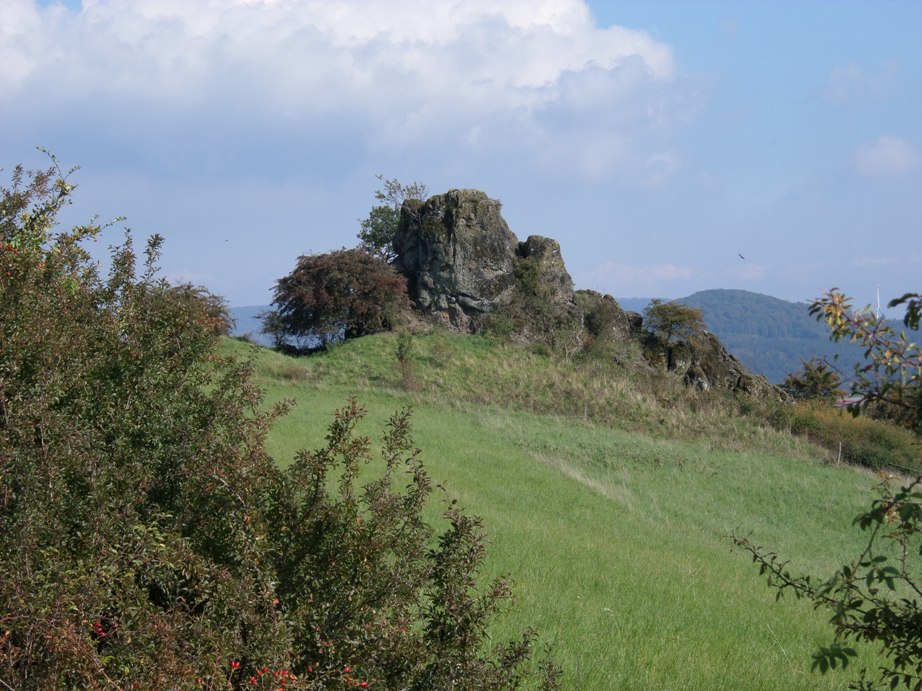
816	380
670	322
379	228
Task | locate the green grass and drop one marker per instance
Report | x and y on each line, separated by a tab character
614	527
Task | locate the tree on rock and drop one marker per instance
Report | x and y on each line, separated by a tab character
343	294
378	230
673	321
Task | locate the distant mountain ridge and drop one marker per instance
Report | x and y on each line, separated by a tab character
769	335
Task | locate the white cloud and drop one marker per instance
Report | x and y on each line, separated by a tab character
521	75
907	260
863	262
750	271
886	157
627	279
850	84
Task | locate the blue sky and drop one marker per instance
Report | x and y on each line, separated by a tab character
655	140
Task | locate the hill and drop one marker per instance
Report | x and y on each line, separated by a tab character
768	335
610	501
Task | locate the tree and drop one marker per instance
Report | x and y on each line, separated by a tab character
131	463
816	380
669	322
378	230
892	373
149	539
341	294
877	597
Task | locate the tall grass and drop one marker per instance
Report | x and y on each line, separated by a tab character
612	522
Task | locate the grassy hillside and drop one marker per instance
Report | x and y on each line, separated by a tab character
609	502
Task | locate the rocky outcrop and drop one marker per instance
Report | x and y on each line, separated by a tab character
462	263
458	255
704	363
604	318
552	275
460	258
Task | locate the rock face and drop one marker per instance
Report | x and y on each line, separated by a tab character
604	318
706	364
459	257
552	273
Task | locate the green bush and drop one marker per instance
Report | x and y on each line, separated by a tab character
863	441
149	539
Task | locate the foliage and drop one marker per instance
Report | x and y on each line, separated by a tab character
816	380
875	598
534	315
150	541
215	317
130	466
863	441
341	294
378	230
891	377
361	581
600	314
404	354
669	322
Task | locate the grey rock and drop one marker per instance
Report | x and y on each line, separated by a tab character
458	255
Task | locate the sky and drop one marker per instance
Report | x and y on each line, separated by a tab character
670	146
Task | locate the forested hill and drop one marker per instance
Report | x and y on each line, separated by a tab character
769	335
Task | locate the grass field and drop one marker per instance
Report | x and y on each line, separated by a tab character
614	527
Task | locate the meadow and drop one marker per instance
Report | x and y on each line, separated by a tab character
611	504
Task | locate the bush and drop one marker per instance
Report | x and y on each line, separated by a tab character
342	294
816	380
862	441
149	539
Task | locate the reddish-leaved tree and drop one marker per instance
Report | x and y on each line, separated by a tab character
343	294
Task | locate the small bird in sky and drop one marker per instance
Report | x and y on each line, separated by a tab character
741	256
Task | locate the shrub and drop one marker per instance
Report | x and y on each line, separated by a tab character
816	380
149	539
341	294
863	441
